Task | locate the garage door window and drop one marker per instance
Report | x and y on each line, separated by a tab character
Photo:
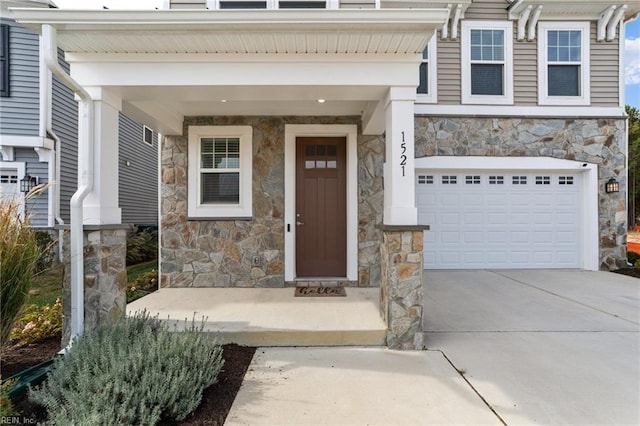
496	180
519	180
543	180
565	180
472	180
425	180
449	180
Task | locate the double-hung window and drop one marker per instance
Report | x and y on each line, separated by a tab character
563	63
427	88
220	171
4	60
487	62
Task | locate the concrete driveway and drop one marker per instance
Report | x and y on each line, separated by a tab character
541	347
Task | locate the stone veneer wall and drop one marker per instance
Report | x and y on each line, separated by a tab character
105	276
401	291
218	253
598	141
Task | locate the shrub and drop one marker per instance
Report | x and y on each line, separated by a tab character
142	246
633	257
6	407
19	257
132	371
142	285
38	322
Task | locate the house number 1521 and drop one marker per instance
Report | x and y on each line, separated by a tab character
403	158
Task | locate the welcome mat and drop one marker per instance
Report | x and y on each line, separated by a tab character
320	292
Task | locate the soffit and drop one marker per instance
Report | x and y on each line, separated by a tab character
339	31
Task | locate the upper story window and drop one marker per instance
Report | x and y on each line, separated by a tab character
427	89
272	4
4	60
563	63
487	62
220	171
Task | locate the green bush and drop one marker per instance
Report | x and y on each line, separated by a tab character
633	257
6	406
132	371
142	246
38	322
19	256
142	285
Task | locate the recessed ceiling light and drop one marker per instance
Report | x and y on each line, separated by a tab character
321	101
223	100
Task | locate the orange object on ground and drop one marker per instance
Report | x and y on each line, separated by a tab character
634	247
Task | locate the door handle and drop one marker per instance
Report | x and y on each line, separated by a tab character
299	223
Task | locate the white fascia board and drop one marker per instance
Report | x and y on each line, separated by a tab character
224	20
26	141
246	74
519	111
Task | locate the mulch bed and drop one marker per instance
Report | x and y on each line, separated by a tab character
216	400
632	272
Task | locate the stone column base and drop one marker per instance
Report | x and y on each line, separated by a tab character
401	289
105	276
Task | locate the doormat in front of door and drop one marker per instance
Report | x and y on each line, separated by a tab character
320	292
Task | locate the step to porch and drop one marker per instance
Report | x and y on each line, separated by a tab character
272	316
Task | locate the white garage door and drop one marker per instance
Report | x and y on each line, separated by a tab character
500	219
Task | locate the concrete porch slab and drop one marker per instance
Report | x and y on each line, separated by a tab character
355	386
272	316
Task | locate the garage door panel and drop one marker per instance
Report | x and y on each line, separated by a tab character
501	220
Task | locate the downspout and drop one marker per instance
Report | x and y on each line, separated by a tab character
46	97
85	177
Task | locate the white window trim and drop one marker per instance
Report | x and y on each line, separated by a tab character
585	67
465	56
244	209
144	135
432	83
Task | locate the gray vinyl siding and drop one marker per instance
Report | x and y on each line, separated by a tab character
449	89
488	10
64	117
20	112
525	71
138	195
604	70
37	206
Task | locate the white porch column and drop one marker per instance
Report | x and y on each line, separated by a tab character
101	205
399	182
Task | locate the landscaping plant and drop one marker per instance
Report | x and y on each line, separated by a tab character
142	285
38	322
19	257
131	371
142	246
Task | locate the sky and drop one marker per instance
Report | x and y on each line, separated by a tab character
632	42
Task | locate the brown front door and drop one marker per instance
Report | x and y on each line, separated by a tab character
321	207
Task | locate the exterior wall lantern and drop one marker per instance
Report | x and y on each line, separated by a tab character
27	183
612	186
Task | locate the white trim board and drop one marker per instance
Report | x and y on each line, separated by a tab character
291	132
590	243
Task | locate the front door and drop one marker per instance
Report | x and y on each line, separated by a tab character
321	207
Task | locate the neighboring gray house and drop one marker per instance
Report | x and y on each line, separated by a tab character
39	135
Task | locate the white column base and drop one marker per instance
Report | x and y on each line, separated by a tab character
96	215
395	215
